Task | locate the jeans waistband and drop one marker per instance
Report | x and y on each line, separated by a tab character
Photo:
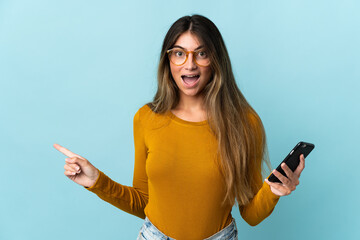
228	233
150	232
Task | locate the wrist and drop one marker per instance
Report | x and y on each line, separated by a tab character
93	179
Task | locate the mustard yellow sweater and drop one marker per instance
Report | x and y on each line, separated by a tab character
176	182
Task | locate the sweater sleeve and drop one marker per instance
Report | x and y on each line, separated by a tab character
129	199
264	201
260	207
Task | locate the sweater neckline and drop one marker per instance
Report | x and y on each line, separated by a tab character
182	121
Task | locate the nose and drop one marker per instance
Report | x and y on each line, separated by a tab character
190	63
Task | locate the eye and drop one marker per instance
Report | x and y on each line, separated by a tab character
179	53
202	54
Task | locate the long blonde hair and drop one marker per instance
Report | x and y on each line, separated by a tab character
236	126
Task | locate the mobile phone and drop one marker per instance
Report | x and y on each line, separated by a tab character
292	160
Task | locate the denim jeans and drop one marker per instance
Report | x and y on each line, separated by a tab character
149	232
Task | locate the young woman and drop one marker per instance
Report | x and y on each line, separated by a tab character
199	147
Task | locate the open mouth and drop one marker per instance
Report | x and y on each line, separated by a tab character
190	80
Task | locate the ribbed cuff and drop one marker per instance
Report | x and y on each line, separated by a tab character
97	182
268	192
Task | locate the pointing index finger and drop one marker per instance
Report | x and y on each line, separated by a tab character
66	151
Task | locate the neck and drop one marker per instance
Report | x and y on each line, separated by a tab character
191	103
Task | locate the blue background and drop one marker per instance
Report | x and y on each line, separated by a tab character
75	73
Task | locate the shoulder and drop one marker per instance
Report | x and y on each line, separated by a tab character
142	113
146	117
144	110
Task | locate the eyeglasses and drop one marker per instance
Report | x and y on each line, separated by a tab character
179	56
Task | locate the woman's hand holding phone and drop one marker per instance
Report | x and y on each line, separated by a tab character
289	183
78	169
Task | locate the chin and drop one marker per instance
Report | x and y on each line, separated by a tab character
191	93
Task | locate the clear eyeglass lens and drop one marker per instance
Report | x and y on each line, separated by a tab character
178	56
202	58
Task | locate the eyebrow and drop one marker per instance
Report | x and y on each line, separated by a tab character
177	46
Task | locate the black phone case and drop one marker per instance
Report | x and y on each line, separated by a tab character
293	158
